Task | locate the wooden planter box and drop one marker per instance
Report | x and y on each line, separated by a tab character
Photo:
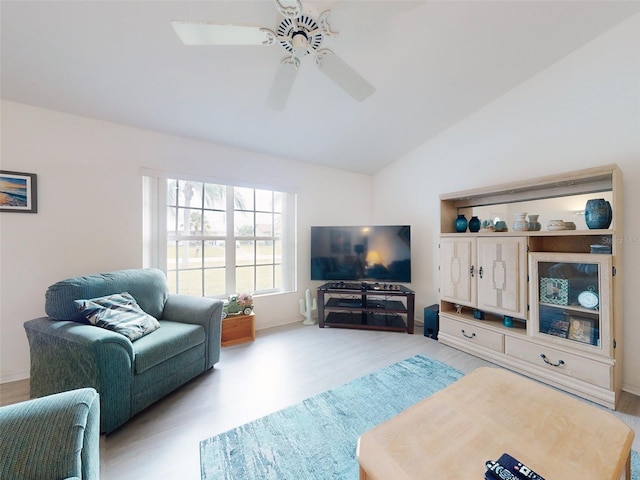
238	329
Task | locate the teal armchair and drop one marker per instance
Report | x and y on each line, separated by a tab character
54	437
68	353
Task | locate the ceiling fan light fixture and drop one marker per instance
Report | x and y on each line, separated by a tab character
300	43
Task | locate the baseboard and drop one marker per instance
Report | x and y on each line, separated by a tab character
14	377
264	326
633	389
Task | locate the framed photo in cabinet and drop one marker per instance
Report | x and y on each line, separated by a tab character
559	328
554	290
582	329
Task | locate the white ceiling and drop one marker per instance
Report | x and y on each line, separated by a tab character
432	63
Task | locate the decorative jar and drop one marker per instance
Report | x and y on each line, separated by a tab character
461	223
501	226
534	224
597	213
474	224
520	224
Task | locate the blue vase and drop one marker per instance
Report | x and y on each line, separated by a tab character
474	224
461	223
598	214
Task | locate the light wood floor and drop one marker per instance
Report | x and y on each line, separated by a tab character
283	366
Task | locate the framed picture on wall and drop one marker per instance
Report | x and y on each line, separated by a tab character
18	192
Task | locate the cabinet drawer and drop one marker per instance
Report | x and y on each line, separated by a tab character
473	333
574	366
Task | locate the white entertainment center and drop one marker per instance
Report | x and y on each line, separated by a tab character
541	303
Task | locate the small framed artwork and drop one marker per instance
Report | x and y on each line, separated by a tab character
554	290
582	329
18	192
559	328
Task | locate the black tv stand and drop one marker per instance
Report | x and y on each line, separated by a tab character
374	306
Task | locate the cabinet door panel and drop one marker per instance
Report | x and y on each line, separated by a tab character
571	300
457	279
502	276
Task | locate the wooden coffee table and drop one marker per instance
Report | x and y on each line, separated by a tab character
491	411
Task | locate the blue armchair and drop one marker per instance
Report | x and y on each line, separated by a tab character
68	353
53	437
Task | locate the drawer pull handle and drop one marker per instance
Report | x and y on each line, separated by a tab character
559	364
465	334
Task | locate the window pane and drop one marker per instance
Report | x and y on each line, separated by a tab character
264	252
264	200
264	277
277	201
215	196
214	253
278	277
189	194
277	224
189	254
214	280
195	222
172	278
188	220
243	224
245	252
244	279
277	251
263	225
243	198
172	215
190	282
215	223
172	192
172	252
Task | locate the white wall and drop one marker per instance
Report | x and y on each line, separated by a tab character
90	208
583	111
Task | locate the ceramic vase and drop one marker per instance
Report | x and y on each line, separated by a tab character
520	224
534	224
461	223
597	213
474	224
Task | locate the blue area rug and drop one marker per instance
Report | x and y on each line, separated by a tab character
316	439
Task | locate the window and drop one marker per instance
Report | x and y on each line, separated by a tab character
216	240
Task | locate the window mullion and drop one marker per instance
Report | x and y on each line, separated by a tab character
230	250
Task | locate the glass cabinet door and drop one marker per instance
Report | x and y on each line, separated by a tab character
570	300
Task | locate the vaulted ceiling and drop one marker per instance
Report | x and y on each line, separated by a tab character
432	64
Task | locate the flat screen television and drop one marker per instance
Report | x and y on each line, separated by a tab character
371	253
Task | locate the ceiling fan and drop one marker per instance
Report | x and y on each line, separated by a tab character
299	32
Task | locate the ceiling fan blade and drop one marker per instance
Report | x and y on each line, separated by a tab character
282	83
343	75
204	33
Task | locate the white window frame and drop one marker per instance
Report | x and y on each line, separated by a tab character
155	238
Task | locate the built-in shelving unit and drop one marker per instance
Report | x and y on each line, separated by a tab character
538	302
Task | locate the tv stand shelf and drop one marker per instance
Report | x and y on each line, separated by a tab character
366	306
